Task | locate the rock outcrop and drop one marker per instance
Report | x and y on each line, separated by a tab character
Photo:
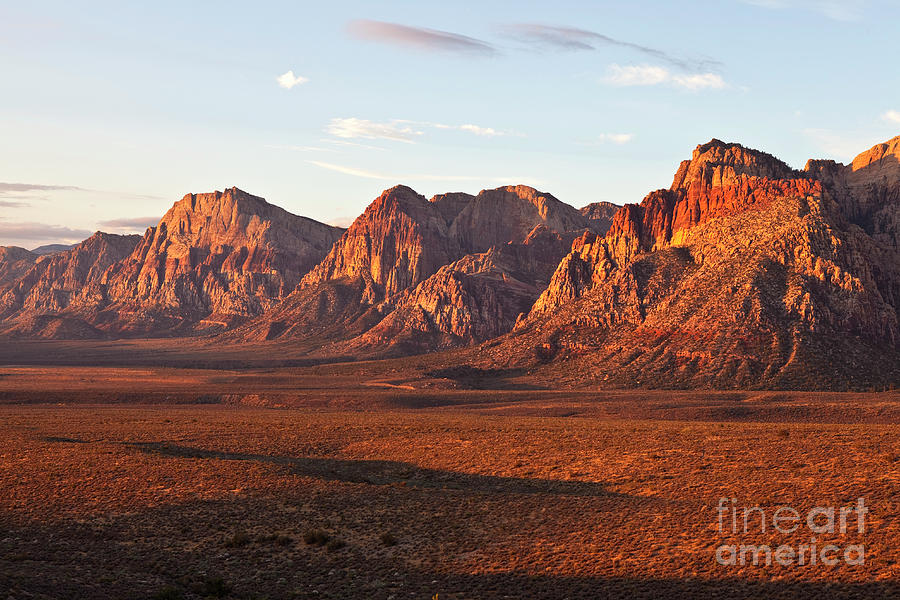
472	299
67	281
212	260
744	273
600	215
453	247
14	262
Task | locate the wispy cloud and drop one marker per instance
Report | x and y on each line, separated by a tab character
573	39
17	188
292	148
130	223
891	116
615	138
32	231
482	131
419	38
366	174
401	130
13	204
646	75
289	80
351	128
837	10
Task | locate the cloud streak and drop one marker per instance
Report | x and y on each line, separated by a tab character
419	38
366	174
354	128
32	231
130	223
400	130
18	188
648	75
551	37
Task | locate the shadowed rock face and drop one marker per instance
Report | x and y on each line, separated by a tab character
600	214
744	273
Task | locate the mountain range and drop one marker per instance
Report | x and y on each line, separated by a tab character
744	273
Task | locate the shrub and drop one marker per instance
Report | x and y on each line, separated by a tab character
388	539
316	537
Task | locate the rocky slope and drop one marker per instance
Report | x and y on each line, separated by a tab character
744	273
472	299
212	260
601	215
403	240
65	281
14	262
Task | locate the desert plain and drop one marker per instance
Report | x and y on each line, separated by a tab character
183	477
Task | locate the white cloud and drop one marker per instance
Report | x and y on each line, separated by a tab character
483	131
353	128
699	82
289	80
615	138
631	75
892	116
401	130
646	75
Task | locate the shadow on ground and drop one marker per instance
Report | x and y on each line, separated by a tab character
387	472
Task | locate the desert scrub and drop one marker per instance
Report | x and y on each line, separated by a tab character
238	540
316	537
388	539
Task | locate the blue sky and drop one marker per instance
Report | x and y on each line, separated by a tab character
111	111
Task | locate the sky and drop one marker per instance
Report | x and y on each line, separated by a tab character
112	111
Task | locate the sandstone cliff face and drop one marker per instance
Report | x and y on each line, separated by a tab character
59	280
398	241
472	299
743	274
212	259
216	257
453	245
14	262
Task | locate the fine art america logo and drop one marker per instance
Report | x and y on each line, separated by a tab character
848	522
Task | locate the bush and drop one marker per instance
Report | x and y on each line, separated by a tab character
388	539
238	540
316	537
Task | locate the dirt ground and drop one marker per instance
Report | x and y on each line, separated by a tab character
351	490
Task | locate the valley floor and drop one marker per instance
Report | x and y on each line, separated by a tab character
159	482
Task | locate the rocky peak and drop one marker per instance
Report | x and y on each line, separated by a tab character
885	156
508	214
14	262
398	241
601	215
450	205
718	164
58	280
